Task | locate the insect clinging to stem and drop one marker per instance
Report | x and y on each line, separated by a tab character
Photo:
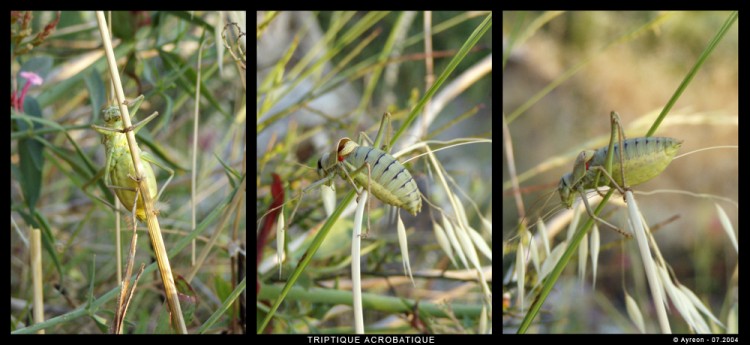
370	168
119	173
386	178
622	164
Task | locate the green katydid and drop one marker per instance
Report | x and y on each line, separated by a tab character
371	168
386	179
119	173
639	160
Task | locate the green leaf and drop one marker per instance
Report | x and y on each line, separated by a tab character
30	157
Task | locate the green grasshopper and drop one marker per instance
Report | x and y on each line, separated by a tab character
386	178
119	173
372	169
639	160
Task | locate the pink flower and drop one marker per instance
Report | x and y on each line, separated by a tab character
31	79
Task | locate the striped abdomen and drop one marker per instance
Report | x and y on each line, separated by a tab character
644	159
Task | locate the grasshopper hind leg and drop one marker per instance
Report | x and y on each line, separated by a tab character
596	218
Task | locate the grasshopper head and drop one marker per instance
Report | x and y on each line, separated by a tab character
564	188
326	165
111	114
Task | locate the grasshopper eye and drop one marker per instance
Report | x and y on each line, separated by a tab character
320	167
322	171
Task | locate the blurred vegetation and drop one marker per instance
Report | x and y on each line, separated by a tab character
632	63
54	166
335	78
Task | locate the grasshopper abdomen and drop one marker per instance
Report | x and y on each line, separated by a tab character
643	158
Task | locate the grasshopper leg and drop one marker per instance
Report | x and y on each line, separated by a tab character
622	190
592	215
618	134
143	122
369	200
369	190
135	204
383	134
135	102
